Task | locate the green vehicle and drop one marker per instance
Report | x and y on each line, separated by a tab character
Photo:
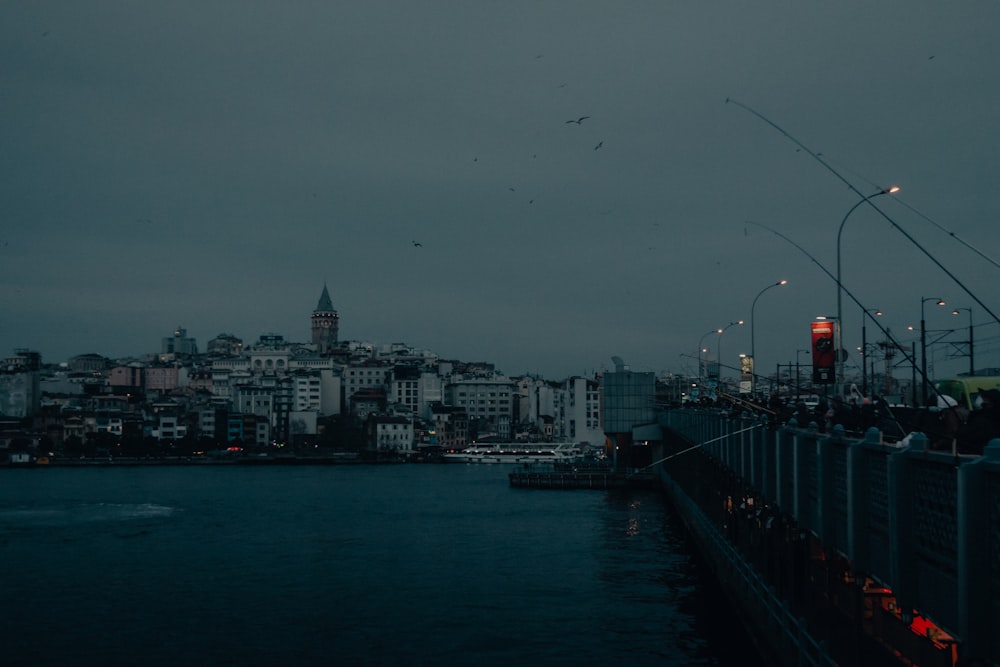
965	389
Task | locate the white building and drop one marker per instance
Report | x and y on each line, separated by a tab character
393	434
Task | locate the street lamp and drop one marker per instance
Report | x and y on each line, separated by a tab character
892	189
719	345
923	342
701	348
864	348
972	364
753	357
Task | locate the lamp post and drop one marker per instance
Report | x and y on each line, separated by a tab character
753	358
972	364
719	345
864	349
923	343
840	287
701	348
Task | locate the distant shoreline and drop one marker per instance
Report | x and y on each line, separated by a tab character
196	461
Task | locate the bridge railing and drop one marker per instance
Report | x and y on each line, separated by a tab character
924	523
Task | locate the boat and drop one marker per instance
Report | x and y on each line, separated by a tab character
516	452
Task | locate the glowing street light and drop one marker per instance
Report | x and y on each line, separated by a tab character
701	347
972	364
892	189
753	349
923	342
719	345
864	348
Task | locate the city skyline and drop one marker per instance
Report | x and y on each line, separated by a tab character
212	167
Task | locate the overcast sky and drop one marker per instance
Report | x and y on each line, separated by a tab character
213	164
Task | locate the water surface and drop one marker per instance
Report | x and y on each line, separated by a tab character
356	565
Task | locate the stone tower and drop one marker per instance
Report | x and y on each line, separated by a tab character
325	323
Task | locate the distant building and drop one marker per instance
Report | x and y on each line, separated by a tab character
20	392
179	344
489	399
451	427
414	389
325	324
629	405
369	376
367	401
225	345
390	434
131	376
87	363
577	416
163	379
23	360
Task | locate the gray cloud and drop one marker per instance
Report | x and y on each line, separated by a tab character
211	165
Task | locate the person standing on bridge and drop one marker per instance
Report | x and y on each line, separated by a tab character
982	425
950	419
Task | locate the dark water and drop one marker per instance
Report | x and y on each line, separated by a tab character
346	565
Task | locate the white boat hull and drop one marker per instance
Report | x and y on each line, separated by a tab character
514	453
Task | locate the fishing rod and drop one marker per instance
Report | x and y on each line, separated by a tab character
702	444
885	330
866	200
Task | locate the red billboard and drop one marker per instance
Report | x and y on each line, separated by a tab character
823	352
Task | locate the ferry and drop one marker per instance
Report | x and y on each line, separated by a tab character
516	452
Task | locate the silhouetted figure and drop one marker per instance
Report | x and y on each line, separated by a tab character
983	424
947	421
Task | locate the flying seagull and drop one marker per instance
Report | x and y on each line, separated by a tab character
579	120
417	244
599	144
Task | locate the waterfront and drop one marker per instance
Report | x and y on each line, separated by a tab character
397	564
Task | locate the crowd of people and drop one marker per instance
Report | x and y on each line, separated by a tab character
948	426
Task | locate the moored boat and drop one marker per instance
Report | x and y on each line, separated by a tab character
516	452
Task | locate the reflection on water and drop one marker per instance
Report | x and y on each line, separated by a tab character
358	564
68	514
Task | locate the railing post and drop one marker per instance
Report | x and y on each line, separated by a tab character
975	605
784	443
803	453
901	561
858	501
824	486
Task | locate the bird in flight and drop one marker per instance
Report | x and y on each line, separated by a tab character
599	144
578	121
417	244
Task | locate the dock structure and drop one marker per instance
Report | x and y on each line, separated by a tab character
565	476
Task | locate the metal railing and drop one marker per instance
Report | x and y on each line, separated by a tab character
924	523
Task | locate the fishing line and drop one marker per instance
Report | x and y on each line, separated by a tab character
867	200
700	445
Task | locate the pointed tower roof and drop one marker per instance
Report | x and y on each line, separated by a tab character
325	305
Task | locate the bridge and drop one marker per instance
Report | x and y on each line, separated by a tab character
836	547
